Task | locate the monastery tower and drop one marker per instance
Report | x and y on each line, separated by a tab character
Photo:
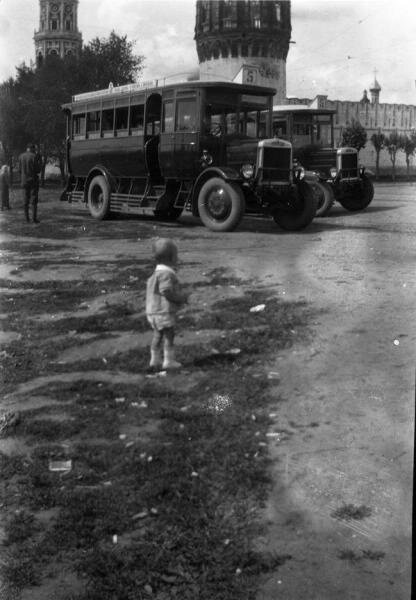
230	34
58	29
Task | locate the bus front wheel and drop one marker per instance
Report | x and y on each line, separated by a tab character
98	198
302	213
361	198
220	205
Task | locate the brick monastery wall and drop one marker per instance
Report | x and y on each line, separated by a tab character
386	118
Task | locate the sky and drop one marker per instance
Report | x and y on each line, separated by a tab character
337	44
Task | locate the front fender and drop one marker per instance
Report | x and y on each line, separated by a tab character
366	172
312	176
226	173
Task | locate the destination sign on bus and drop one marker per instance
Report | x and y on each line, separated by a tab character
121	89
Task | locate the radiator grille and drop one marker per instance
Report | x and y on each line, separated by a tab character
276	163
349	164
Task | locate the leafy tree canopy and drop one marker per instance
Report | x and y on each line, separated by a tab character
354	136
408	144
378	140
30	103
106	60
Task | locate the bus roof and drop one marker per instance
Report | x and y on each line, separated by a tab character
153	86
302	108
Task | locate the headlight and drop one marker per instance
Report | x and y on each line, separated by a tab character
206	158
333	172
299	173
247	171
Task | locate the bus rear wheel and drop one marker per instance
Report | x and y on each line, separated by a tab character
99	198
220	204
301	216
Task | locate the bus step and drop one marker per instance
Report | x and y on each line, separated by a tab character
130	208
76	196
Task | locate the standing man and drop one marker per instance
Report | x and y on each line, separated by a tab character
29	170
38	168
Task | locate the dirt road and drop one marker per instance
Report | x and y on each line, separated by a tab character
342	439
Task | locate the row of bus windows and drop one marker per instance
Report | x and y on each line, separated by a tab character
131	118
109	119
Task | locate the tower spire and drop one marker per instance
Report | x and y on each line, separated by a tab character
58	29
375	90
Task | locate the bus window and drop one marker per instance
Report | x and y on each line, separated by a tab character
107	117
122	120
301	129
93	123
231	123
322	130
185	115
280	129
137	118
78	127
168	116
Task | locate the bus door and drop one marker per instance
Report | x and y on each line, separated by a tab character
302	131
153	112
323	130
179	139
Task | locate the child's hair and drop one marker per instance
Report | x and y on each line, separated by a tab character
4	169
164	250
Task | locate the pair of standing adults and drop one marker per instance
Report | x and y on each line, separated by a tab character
30	166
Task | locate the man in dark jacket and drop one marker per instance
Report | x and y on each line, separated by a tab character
29	171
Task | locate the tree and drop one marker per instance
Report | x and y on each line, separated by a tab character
408	145
12	134
354	135
105	60
378	139
30	104
393	143
41	93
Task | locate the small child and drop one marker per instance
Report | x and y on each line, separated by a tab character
164	297
4	187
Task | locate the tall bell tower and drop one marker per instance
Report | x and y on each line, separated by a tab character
58	29
234	33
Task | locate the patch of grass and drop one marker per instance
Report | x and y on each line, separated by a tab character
41	430
355	557
348	512
184	498
115	318
234	313
203	476
19	572
29	248
220	276
20	527
350	555
373	555
12	465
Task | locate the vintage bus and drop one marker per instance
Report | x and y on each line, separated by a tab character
311	133
207	147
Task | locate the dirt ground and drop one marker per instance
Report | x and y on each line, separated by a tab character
342	408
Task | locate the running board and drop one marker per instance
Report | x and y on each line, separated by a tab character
131	204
